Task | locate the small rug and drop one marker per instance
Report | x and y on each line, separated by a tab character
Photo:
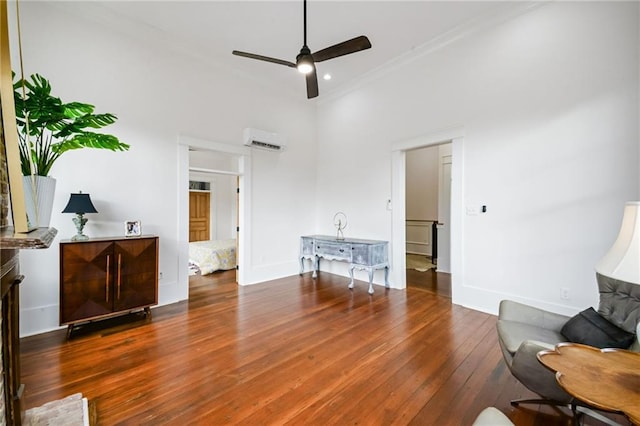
419	262
70	411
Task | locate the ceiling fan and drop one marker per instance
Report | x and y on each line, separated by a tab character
305	61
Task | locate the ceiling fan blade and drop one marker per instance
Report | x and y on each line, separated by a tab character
312	84
264	58
346	47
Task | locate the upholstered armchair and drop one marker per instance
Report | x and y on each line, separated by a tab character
491	416
523	331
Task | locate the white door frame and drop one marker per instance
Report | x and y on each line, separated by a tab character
444	211
455	135
244	206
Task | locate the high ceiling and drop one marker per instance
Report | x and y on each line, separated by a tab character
210	30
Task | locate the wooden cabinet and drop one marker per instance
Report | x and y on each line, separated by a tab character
103	277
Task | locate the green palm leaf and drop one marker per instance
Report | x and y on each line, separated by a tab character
55	127
90	140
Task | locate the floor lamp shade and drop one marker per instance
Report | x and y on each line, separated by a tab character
622	261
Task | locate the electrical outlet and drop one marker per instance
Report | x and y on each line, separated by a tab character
564	293
160	275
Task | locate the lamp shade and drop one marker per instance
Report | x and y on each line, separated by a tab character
80	203
622	262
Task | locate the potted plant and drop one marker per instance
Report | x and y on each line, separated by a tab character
47	128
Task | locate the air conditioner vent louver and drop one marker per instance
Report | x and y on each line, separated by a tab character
261	139
266	145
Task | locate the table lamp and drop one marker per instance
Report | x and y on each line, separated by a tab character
622	261
618	273
80	204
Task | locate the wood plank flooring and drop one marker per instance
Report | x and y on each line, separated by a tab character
292	351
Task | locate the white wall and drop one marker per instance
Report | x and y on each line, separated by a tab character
422	183
222	204
158	94
549	104
548	101
223	208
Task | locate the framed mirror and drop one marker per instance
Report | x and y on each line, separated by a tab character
23	216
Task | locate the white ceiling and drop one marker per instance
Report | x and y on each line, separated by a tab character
210	30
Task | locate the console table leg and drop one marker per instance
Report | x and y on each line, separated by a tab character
351	276
386	277
370	270
316	267
301	265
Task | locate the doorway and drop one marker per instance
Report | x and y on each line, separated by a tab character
427	224
216	163
455	136
213	216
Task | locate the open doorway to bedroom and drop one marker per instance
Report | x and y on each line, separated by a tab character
213	218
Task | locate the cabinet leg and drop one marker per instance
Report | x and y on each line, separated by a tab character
69	330
147	312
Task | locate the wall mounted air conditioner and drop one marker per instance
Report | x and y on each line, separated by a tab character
264	140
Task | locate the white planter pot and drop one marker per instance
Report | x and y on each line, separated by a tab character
38	193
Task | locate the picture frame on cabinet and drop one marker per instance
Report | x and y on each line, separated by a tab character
132	228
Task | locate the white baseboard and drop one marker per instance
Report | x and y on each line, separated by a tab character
39	320
43	319
262	273
171	293
488	301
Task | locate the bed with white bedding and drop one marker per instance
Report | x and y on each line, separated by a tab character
213	255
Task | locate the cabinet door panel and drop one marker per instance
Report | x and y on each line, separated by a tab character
85	275
361	254
135	276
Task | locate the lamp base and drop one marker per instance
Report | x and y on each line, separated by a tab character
79	237
80	221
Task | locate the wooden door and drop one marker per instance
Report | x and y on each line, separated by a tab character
135	274
85	280
199	216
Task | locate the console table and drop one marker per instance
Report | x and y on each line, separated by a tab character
361	254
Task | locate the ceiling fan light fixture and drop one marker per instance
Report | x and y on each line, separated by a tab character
305	67
304	61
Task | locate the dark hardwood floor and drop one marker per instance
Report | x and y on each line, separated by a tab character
291	351
435	282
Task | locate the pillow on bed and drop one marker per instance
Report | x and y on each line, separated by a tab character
590	328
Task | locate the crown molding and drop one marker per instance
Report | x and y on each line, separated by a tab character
473	26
